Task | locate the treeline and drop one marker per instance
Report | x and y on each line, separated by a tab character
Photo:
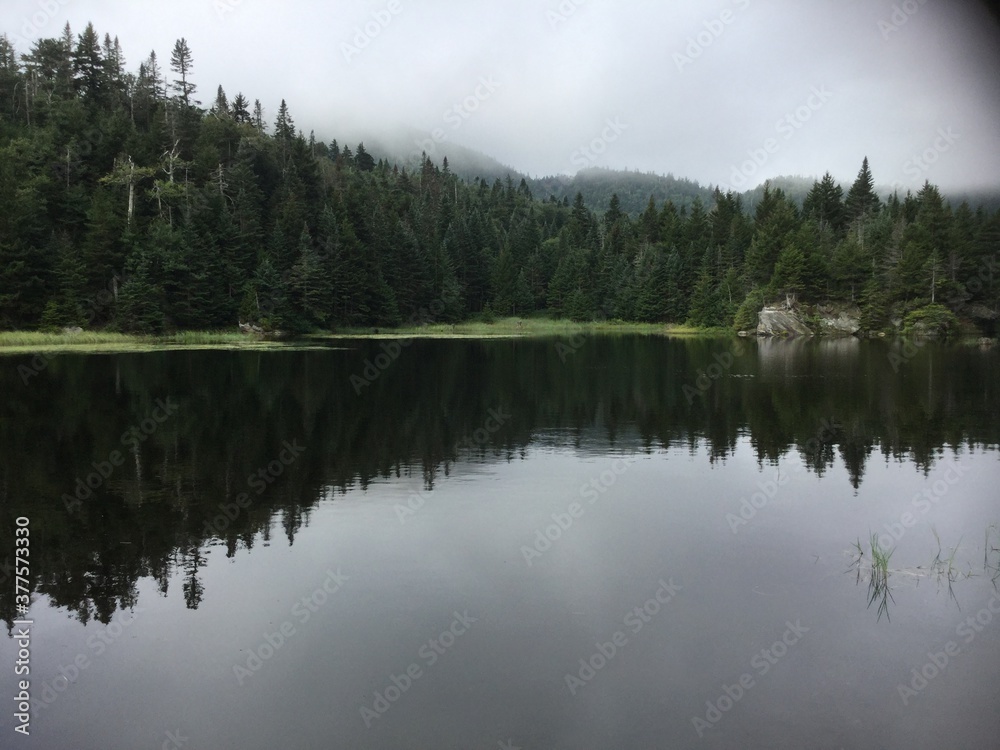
128	204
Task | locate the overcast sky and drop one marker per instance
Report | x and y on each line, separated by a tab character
722	91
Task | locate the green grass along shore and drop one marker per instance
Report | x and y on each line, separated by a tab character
20	342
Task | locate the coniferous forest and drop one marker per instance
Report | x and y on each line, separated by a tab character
129	203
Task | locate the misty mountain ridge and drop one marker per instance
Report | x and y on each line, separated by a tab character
634	188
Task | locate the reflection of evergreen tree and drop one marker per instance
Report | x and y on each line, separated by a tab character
161	505
193	588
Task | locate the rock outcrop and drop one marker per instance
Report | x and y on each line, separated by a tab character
839	320
780	321
826	319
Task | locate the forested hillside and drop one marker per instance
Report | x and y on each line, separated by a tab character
634	189
128	203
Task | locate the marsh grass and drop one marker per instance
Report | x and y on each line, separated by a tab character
878	586
878	573
21	342
991	553
43	339
871	563
945	568
26	342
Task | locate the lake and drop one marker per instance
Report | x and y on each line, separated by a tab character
596	542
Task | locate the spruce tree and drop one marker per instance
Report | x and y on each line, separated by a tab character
181	63
862	201
88	65
824	203
310	286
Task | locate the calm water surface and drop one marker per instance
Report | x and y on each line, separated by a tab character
614	542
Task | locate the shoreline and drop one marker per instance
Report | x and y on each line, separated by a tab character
33	342
108	342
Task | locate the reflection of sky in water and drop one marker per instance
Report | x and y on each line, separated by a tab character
664	516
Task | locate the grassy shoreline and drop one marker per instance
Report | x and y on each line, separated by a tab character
26	342
524	328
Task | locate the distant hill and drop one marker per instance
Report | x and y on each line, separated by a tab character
404	149
597	185
633	189
794	187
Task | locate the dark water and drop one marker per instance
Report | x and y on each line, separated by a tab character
600	543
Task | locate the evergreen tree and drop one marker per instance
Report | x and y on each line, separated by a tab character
310	286
140	300
284	127
181	63
850	268
65	307
221	106
824	203
88	65
258	116
241	109
363	160
269	298
108	174
652	304
789	274
706	304
862	201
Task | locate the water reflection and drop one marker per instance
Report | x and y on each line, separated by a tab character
119	489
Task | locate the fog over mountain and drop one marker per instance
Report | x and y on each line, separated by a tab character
726	92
